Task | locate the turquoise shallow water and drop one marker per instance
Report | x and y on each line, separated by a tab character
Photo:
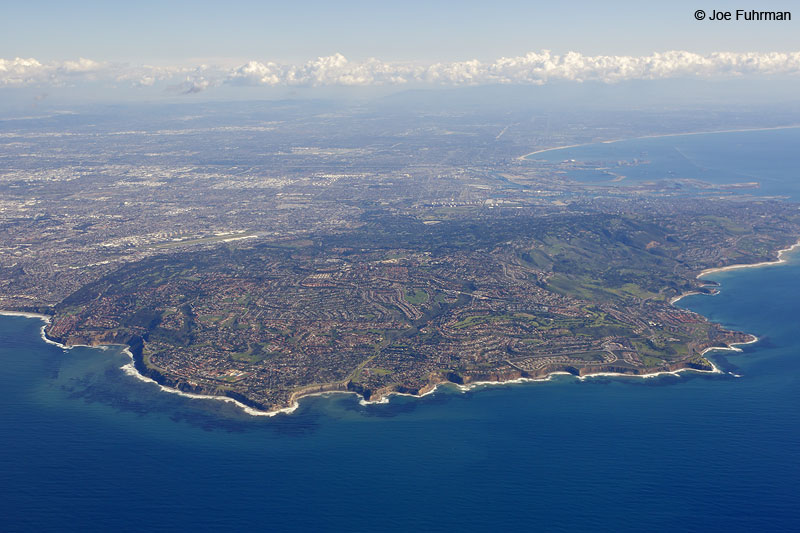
86	447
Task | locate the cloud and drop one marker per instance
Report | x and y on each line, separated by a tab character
329	70
534	68
192	86
81	66
19	71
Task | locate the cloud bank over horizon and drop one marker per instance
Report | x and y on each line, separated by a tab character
534	68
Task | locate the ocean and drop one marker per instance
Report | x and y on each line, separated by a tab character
769	157
86	447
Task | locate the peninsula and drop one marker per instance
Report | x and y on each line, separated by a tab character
266	263
399	306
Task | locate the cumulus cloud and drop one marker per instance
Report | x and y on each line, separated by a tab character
534	68
330	70
192	85
20	71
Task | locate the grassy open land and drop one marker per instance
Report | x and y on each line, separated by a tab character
660	348
594	356
416	296
726	224
586	288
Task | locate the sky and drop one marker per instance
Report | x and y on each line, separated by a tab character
200	30
191	47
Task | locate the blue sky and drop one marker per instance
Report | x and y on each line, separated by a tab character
147	49
234	31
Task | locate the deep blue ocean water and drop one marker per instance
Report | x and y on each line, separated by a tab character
85	447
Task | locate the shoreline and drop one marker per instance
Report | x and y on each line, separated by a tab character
613	141
674	299
778	261
26	314
464	388
732	347
130	370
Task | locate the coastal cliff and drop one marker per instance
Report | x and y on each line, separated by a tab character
465	379
136	345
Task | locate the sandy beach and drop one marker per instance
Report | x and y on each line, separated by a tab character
777	261
780	260
26	315
676	298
